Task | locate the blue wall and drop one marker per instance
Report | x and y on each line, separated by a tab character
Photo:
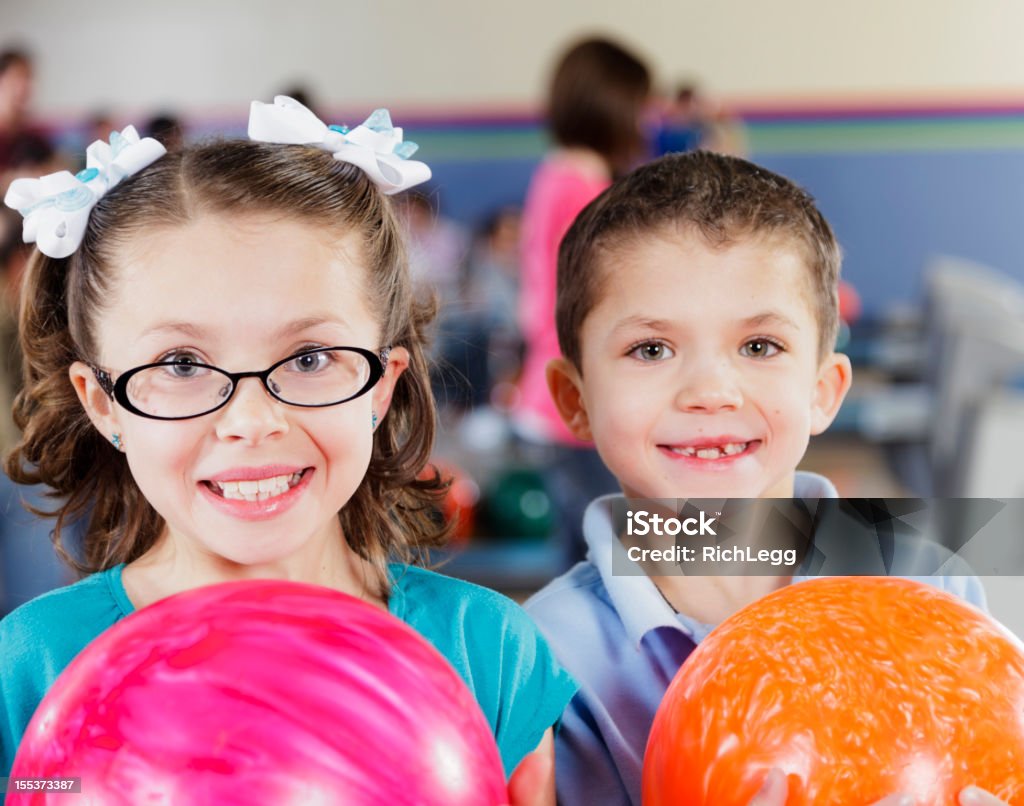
892	212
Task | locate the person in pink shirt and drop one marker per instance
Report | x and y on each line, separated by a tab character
596	101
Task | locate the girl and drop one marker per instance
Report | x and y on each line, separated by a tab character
596	101
226	379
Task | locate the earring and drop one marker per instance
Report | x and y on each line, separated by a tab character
373	424
116	440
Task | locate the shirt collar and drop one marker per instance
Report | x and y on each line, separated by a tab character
637	599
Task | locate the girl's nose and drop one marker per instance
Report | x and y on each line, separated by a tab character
252	414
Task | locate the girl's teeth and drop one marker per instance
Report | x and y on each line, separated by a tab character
709	453
259	489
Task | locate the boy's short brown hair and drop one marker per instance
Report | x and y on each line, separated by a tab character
722	198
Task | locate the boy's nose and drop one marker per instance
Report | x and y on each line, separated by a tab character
252	414
709	388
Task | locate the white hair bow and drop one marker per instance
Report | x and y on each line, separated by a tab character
375	146
56	207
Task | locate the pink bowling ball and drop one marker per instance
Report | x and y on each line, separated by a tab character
262	692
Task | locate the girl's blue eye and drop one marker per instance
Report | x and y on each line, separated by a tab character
182	365
760	348
311	362
652	351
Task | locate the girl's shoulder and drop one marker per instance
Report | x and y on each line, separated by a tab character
494	646
39	639
58	624
439	605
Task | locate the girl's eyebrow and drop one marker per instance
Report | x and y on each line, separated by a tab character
187	328
195	331
309	321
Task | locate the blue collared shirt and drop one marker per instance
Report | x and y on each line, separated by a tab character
623	642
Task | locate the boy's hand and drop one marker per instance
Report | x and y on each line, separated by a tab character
533	782
775	790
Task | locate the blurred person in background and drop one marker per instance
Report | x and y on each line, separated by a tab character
28	563
166	128
24	148
438	249
692	120
596	104
492	294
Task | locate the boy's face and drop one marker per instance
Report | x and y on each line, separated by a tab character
700	372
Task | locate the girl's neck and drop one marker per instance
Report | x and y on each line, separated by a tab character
174	565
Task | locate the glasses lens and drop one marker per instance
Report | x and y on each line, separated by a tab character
321	377
177	389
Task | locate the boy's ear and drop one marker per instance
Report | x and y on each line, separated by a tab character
94	400
834	378
565	386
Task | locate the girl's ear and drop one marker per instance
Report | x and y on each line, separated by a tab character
398	362
94	400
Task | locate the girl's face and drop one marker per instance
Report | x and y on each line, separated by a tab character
241	293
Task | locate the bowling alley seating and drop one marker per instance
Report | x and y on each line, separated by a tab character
942	429
975	336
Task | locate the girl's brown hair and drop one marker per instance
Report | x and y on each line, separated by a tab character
595	101
392	514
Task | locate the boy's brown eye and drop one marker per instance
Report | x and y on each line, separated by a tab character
651	351
759	348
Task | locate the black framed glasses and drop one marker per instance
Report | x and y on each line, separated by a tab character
182	389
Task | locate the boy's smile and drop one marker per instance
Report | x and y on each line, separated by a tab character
700	368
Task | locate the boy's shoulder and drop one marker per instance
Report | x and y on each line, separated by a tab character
579	587
576	613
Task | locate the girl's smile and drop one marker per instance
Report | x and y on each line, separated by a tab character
257	483
252	494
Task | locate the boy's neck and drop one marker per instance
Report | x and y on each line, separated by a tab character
712	599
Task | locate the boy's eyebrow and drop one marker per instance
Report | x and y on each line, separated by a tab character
770	318
766	318
643	321
198	332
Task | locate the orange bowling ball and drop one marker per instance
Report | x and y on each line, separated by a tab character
856	688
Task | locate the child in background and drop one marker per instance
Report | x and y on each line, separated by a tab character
228	369
595	105
697	314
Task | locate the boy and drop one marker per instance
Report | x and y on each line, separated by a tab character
697	310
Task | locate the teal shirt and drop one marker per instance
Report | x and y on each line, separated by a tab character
489	640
